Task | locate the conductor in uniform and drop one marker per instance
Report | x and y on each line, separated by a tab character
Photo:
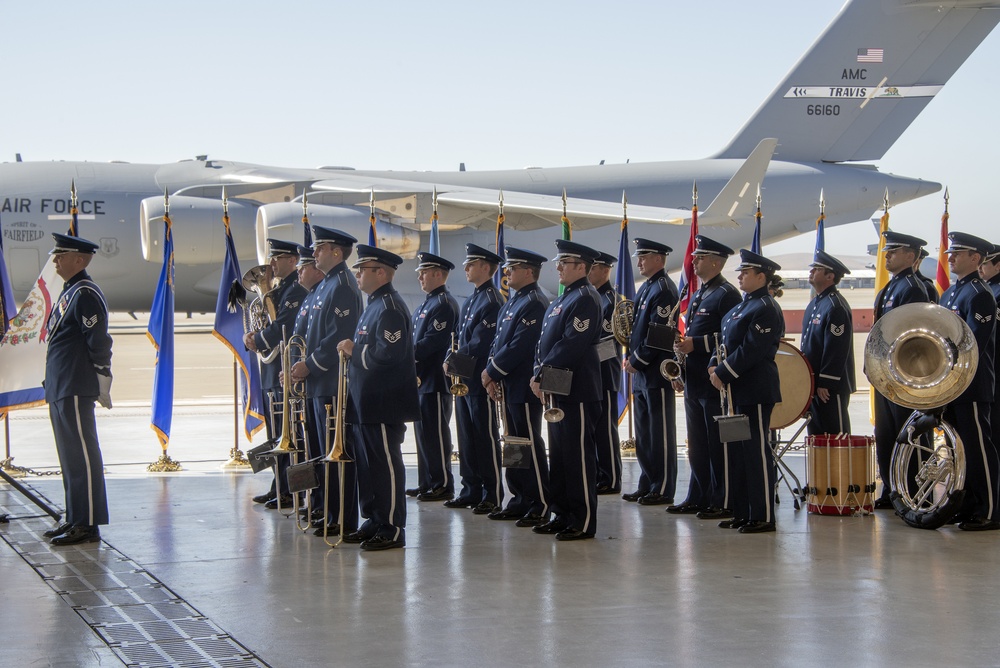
828	345
511	365
571	329
609	453
901	251
972	300
434	324
77	373
653	395
708	490
282	256
750	334
382	386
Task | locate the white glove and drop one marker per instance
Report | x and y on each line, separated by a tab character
104	383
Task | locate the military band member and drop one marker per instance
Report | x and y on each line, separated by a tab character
570	331
434	324
383	397
609	453
334	310
989	271
282	257
929	287
750	334
78	373
901	251
707	491
973	301
478	435
652	394
511	364
828	345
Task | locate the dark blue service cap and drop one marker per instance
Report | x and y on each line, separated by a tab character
305	256
431	261
606	259
757	261
279	247
328	235
708	246
566	249
474	252
923	253
994	253
368	253
523	256
68	244
646	246
894	240
959	241
824	260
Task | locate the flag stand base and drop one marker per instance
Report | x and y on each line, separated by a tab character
164	465
237	460
628	447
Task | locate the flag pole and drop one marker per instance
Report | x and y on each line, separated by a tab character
627	446
237	460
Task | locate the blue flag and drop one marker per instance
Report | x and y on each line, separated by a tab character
372	237
229	329
435	241
7	306
755	244
820	233
500	278
625	287
161	334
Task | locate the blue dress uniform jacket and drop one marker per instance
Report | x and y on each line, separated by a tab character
828	341
611	369
433	324
708	306
519	325
287	297
653	304
477	327
79	345
929	287
334	311
750	333
972	300
570	329
903	288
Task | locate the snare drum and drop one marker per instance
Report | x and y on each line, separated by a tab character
840	474
795	378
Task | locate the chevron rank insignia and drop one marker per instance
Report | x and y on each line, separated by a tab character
393	337
342	314
90	322
439	326
581	325
606	325
663	311
835	330
983	318
289	304
762	330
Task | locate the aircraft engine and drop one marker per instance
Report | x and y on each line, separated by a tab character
199	235
283	220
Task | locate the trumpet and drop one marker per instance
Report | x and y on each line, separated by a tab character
458	388
552	413
336	424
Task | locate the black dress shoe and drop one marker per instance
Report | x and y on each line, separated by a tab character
415	491
758	526
608	489
551	527
531	520
286	502
654	499
439	494
979	524
459	503
263	498
715	514
573	534
507	514
382	543
356	537
634	496
484	508
77	534
684	509
883	504
734	523
334	530
58	531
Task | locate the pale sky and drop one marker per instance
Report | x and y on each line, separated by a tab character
427	85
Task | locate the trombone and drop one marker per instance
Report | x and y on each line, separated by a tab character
287	441
458	388
335	451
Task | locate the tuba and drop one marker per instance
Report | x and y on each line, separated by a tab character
621	320
923	356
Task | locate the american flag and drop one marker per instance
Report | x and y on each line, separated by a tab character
870	55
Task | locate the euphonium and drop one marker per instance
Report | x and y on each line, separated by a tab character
458	388
621	320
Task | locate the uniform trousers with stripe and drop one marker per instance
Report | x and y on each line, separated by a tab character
656	440
890	419
478	449
830	417
75	430
573	465
972	422
609	452
752	467
318	447
706	453
529	487
434	448
381	479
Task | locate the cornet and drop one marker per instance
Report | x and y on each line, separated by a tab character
552	414
458	388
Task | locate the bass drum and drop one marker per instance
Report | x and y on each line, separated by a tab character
796	380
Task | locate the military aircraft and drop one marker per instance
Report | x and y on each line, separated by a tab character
845	102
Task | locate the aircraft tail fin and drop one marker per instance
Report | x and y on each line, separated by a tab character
738	198
866	78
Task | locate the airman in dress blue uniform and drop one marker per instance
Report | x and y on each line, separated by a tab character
708	490
511	363
77	373
571	330
901	251
972	300
478	435
929	287
382	387
652	394
609	452
434	324
750	334
334	309
828	345
989	271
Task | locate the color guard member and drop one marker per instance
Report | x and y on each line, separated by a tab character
609	452
929	287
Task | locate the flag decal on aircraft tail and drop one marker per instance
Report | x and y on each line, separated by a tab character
870	55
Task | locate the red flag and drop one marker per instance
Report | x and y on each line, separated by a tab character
689	281
941	281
